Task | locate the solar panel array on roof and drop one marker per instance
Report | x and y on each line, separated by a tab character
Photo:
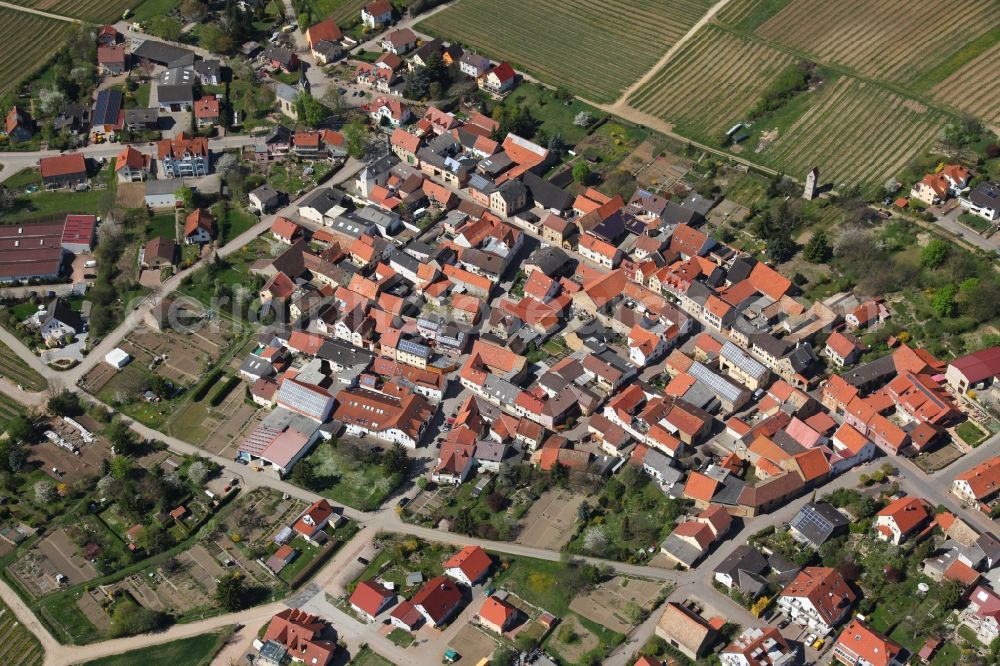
414	348
721	387
742	360
309	400
107	107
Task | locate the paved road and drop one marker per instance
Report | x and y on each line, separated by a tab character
15	161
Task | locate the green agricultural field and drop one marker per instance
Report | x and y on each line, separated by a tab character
342	11
710	84
969	90
194	651
94	11
29	42
852	145
903	42
13	368
20	647
596	49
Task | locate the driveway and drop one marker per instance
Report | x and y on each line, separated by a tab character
73	351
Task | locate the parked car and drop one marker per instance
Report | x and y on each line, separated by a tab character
364	561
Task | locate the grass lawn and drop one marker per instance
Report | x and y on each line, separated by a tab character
971	433
307	553
68	621
946	656
23	178
405	555
554	116
368	657
48	205
194	651
142	95
150	9
232	221
975	222
162	224
540	582
401	637
342	478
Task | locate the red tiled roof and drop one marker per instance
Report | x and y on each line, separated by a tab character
700	487
825	588
198	219
62	165
438	598
497	612
868	645
206	108
472	561
369	596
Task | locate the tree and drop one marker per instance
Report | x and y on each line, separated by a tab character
583	119
65	403
943	301
595	540
581	173
106	483
950	594
310	110
214	39
304	475
503	656
197	472
194	10
934	254
121	437
186	197
121	467
44	491
356	138
818	250
230	593
21	428
129	618
496	501
395	460
781	247
559	473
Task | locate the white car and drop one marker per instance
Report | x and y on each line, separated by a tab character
810	639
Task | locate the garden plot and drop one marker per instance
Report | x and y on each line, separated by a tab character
616	603
550	521
473	644
39	570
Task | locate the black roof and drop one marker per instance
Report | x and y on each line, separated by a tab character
674	213
141	115
59	310
744	558
174	94
878	371
741	269
546	194
986	194
550	260
324	198
818	521
159	52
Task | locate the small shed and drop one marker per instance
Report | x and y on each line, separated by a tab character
117	358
